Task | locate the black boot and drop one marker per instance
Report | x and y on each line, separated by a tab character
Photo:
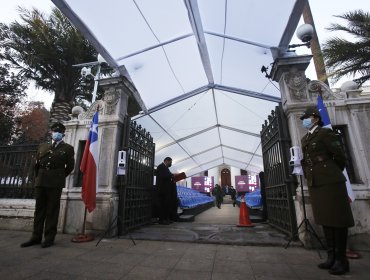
329	236
341	264
329	261
340	267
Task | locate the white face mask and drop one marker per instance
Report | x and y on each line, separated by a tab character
307	123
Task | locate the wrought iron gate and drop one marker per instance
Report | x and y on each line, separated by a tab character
279	183
136	187
16	171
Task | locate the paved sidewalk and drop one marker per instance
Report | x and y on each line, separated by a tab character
121	259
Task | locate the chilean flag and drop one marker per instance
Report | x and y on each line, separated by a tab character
326	120
89	166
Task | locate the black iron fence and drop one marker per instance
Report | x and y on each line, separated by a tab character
279	183
136	190
16	171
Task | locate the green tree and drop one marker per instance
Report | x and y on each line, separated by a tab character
11	94
44	49
343	57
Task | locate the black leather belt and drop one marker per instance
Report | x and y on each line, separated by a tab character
316	159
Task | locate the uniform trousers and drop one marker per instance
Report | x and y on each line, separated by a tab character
46	213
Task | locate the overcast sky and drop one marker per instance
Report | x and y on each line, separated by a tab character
322	11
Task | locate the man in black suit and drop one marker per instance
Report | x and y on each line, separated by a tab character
54	162
164	183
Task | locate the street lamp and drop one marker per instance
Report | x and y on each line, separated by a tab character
304	33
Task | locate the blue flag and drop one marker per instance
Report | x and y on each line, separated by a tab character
326	120
323	112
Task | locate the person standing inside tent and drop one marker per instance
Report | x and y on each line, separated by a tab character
164	183
219	194
323	162
232	192
54	162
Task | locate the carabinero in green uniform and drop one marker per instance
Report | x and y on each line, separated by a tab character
323	164
54	162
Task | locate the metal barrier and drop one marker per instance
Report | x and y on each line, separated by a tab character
16	171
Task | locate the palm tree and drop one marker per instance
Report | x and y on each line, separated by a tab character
344	57
44	50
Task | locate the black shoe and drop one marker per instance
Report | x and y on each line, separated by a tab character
47	244
326	265
339	267
30	242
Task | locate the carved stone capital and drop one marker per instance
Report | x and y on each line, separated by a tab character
315	87
111	98
297	84
97	105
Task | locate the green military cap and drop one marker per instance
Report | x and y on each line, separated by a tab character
58	127
311	111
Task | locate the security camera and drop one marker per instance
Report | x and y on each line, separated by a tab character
85	72
304	32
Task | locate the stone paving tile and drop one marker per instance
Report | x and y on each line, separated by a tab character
160	261
121	259
129	258
52	275
105	270
233	276
235	253
236	267
272	270
195	264
146	273
179	274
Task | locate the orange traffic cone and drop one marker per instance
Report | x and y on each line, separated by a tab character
244	220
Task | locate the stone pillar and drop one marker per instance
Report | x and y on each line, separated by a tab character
347	108
234	172
289	72
116	104
215	172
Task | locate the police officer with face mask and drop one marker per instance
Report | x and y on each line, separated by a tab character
323	163
54	162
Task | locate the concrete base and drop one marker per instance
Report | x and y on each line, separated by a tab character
359	242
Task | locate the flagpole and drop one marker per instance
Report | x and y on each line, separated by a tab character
89	169
82	237
84	222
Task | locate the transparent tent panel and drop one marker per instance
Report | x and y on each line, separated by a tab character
242	112
160	137
183	165
209	128
247	19
242	156
240	141
188	116
180	66
238	64
173	151
129	31
205	167
209	155
201	142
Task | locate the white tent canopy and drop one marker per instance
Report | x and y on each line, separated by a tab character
196	66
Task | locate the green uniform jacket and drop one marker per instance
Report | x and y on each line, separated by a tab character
323	163
53	165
